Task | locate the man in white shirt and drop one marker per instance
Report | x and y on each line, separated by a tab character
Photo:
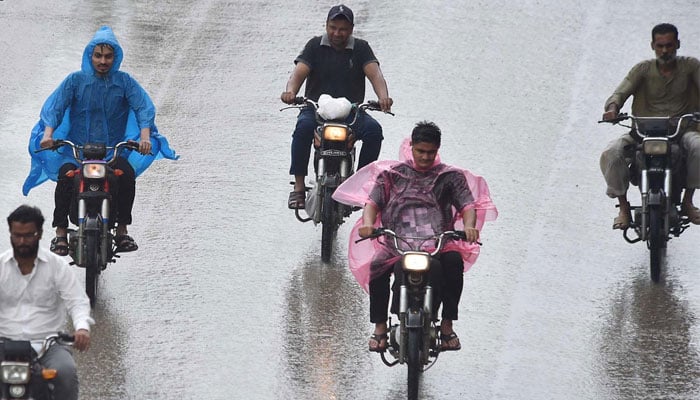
37	287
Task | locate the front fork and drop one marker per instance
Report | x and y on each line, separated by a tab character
415	319
661	199
322	181
85	225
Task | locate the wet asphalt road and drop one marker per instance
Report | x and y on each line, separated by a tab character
227	297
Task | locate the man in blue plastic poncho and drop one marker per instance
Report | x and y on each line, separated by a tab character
99	104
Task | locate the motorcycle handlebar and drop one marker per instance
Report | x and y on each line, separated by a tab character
128	144
372	105
694	117
458	235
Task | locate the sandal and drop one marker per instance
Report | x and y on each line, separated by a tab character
446	338
378	338
622	221
59	245
297	200
693	214
125	243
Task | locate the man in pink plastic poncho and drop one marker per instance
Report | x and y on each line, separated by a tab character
417	196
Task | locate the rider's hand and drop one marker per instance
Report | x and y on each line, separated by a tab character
611	113
145	146
365	231
82	339
288	97
385	103
46	142
471	234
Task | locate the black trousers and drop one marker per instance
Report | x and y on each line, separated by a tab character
123	189
446	278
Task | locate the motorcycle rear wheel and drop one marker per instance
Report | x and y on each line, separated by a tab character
413	362
657	242
92	266
329	224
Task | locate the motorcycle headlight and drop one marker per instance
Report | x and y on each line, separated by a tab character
416	261
336	133
17	391
655	147
15	373
94	171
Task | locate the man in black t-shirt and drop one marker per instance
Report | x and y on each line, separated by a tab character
335	64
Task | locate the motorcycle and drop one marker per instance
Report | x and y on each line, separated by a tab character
658	170
415	339
334	162
92	245
22	376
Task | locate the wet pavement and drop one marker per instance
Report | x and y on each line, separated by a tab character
227	296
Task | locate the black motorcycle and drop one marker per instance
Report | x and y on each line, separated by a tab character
415	339
334	162
21	374
92	245
658	170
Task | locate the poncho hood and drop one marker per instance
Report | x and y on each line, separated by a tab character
104	35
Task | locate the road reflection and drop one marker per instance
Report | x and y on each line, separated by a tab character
103	362
647	346
325	329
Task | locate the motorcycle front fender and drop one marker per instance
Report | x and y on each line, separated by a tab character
414	319
655	198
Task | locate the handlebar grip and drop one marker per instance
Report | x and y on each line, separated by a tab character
299	100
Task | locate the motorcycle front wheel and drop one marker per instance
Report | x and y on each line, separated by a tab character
413	362
657	242
92	265
329	225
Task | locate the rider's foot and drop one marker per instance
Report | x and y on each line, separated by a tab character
379	339
59	245
448	338
622	221
377	342
691	212
449	342
297	200
125	243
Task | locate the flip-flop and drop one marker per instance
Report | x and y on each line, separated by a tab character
59	245
693	214
446	338
297	200
379	337
125	243
622	221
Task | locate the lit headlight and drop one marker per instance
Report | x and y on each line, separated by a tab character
656	146
94	171
15	373
416	261
335	133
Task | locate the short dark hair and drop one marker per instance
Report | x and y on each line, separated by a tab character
662	29
426	132
26	214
